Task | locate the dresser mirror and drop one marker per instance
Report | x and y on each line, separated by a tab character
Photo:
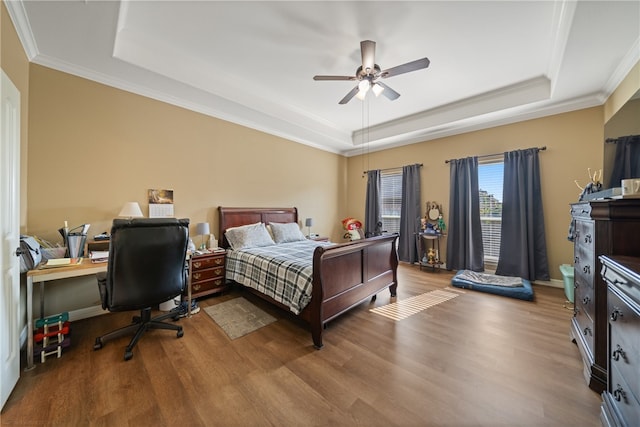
624	122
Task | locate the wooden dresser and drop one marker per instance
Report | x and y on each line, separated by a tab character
621	399
602	227
207	274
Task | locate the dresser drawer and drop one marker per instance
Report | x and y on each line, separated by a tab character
581	210
583	298
209	273
207	262
624	341
585	326
623	399
206	285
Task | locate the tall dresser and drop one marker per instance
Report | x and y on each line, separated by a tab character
621	399
602	227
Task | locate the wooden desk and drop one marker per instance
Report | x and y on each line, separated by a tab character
41	275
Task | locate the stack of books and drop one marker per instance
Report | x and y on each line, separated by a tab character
99	256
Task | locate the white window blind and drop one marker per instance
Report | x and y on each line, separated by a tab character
490	181
391	199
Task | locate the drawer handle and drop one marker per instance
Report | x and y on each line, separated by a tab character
218	282
586	300
619	394
586	331
196	287
576	311
615	313
619	282
218	260
576	260
585	211
197	264
587	269
196	276
587	238
618	352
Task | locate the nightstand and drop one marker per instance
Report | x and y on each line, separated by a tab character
206	274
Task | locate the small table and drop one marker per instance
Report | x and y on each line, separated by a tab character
421	241
85	268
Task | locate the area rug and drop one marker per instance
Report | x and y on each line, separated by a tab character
402	309
238	317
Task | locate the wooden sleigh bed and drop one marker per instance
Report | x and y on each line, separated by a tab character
344	274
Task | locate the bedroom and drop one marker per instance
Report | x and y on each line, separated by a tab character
109	146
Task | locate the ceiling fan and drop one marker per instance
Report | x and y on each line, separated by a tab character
369	72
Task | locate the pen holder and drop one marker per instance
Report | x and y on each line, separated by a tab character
76	243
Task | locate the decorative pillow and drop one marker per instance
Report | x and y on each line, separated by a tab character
289	232
248	236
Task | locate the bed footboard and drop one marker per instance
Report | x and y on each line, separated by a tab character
344	275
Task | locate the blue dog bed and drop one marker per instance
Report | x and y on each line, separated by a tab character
513	287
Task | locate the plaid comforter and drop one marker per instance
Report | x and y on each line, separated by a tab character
284	271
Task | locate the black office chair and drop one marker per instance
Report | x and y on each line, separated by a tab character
147	266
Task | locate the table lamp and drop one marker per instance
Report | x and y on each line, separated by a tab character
308	223
131	210
202	229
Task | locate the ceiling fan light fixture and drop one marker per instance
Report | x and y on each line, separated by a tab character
361	95
377	89
364	85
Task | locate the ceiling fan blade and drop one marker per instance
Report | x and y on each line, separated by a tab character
349	95
405	68
334	78
388	92
368	51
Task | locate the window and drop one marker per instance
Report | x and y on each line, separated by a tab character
490	179
391	199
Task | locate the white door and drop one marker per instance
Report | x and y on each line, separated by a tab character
10	230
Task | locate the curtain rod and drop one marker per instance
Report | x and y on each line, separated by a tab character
497	154
389	169
609	140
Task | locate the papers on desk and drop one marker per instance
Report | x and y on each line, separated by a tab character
62	262
99	256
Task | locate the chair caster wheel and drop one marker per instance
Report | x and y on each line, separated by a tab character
180	333
98	344
128	354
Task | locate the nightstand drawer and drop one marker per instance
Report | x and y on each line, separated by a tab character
208	262
206	285
210	273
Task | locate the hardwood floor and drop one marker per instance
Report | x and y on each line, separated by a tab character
475	360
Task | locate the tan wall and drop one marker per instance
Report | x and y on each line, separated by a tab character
573	141
92	148
16	65
625	90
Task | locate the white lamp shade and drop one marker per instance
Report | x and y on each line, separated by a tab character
131	210
202	228
308	222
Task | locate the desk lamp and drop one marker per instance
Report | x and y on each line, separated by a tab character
308	223
202	228
131	210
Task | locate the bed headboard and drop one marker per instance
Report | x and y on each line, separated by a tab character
235	217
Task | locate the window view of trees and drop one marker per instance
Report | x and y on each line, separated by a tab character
490	178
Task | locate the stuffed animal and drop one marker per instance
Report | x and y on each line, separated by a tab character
353	227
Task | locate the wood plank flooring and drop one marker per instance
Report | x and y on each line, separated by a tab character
475	360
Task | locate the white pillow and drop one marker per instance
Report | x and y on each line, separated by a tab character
289	232
248	236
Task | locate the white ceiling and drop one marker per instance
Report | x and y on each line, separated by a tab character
252	63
